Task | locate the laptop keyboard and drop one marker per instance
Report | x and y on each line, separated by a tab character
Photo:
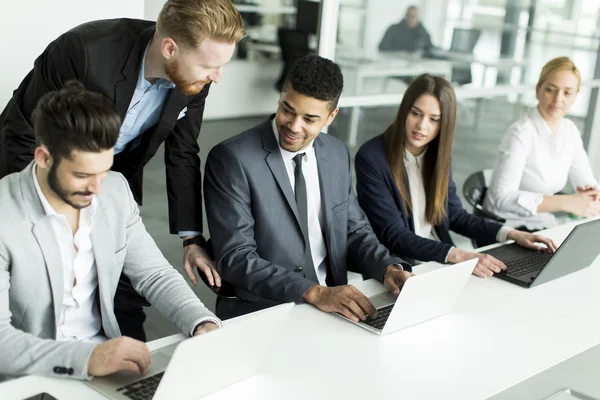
143	389
523	266
383	314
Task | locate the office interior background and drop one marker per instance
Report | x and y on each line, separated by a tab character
500	47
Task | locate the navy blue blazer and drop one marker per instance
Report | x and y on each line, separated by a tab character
380	199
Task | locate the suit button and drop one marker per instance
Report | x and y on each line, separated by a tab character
299	269
70	371
59	370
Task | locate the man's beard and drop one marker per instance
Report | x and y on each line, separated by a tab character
186	87
61	192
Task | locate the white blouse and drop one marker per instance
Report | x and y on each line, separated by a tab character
533	163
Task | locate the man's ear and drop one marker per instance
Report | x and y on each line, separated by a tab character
168	48
42	157
332	116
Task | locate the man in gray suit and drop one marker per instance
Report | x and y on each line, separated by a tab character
284	221
69	227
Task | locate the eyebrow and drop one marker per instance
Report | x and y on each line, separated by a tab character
567	88
88	174
294	110
435	115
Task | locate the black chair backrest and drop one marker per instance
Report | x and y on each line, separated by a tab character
464	40
293	45
474	190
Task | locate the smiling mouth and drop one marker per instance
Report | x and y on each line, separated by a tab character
419	135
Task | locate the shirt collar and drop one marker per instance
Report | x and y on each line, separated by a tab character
143	83
411	160
288	155
540	124
49	209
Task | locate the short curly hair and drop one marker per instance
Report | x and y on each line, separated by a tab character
316	77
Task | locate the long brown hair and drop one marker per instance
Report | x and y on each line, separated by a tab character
436	163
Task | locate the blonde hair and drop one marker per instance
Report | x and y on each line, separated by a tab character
559	64
189	22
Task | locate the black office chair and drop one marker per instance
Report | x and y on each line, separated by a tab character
463	41
474	190
294	45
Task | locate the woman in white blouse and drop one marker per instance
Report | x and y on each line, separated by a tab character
539	154
404	184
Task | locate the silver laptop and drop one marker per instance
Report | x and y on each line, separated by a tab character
423	297
204	364
529	268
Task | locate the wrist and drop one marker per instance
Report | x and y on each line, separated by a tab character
455	256
197	240
201	324
312	294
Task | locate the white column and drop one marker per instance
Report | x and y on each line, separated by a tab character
330	10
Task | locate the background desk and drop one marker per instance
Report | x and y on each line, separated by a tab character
497	337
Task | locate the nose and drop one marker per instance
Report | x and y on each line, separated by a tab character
295	124
95	185
421	123
216	76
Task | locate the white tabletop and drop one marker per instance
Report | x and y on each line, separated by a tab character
498	335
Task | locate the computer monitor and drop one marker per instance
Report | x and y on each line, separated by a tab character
307	16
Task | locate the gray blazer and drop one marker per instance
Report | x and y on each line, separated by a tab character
253	218
31	278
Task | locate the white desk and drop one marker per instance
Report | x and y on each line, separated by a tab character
383	66
498	336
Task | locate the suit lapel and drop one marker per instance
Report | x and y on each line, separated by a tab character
276	165
46	239
324	182
103	255
124	88
45	236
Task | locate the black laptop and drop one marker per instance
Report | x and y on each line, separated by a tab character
529	268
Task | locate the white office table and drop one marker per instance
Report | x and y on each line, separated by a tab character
497	336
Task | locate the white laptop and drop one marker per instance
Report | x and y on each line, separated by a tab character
423	297
203	364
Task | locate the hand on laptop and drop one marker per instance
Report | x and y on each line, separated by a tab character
486	264
119	354
346	300
532	241
394	279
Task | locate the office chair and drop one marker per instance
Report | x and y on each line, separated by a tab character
463	41
294	45
474	191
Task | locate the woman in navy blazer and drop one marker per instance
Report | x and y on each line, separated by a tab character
405	186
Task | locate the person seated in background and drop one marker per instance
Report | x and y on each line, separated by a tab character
69	228
283	217
407	35
404	185
539	154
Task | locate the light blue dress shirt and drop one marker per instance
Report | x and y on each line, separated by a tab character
144	109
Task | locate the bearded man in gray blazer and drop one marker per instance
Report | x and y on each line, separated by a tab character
284	221
69	227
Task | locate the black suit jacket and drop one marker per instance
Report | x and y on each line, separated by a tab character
379	197
253	219
106	57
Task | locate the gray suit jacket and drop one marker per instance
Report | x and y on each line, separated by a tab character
31	278
253	218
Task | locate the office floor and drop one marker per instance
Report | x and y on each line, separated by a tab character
474	149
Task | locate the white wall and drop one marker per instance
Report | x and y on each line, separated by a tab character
28	26
152	8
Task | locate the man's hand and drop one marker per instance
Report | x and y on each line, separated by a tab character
196	256
120	354
394	279
205	328
532	241
346	300
486	266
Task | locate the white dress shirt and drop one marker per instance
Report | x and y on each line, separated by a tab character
313	196
535	162
79	318
422	228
